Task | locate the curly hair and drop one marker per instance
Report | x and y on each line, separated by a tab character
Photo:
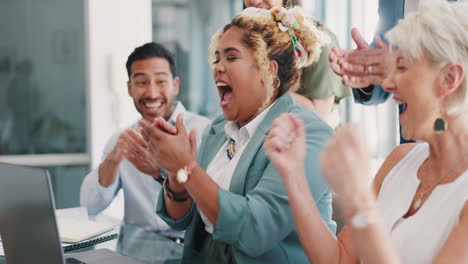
263	35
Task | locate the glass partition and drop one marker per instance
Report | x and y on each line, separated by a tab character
42	91
186	27
42	77
66	183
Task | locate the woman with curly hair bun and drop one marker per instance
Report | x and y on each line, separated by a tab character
227	195
320	89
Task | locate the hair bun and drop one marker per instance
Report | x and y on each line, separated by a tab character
283	16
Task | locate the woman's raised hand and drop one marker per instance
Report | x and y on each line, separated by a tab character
345	165
285	145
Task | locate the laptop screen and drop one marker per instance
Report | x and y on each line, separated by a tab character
27	216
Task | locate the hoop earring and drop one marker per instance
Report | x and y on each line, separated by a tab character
279	82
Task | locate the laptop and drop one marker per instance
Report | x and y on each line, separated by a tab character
28	226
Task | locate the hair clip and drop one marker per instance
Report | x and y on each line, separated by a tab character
287	22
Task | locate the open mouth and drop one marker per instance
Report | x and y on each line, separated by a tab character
153	106
403	106
225	92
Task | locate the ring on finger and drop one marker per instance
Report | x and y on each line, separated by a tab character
370	69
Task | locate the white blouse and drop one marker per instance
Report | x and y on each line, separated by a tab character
419	238
221	168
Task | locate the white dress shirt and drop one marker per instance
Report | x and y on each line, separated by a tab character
140	190
221	168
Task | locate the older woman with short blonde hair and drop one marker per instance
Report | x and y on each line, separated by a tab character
417	208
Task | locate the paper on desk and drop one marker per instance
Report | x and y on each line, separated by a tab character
74	225
75	213
82	213
75	230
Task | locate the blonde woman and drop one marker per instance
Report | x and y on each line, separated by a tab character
417	208
230	200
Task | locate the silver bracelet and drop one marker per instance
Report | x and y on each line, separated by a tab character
364	92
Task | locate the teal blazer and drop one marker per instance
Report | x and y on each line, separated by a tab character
255	223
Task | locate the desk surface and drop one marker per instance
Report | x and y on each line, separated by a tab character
145	246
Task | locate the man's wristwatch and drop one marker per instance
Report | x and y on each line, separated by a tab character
178	197
183	174
162	176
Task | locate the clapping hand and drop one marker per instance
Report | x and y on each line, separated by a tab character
285	145
362	66
132	146
171	146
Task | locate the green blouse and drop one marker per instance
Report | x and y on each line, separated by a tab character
319	81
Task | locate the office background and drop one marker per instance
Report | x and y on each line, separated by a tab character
63	80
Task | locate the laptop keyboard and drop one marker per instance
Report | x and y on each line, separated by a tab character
73	261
